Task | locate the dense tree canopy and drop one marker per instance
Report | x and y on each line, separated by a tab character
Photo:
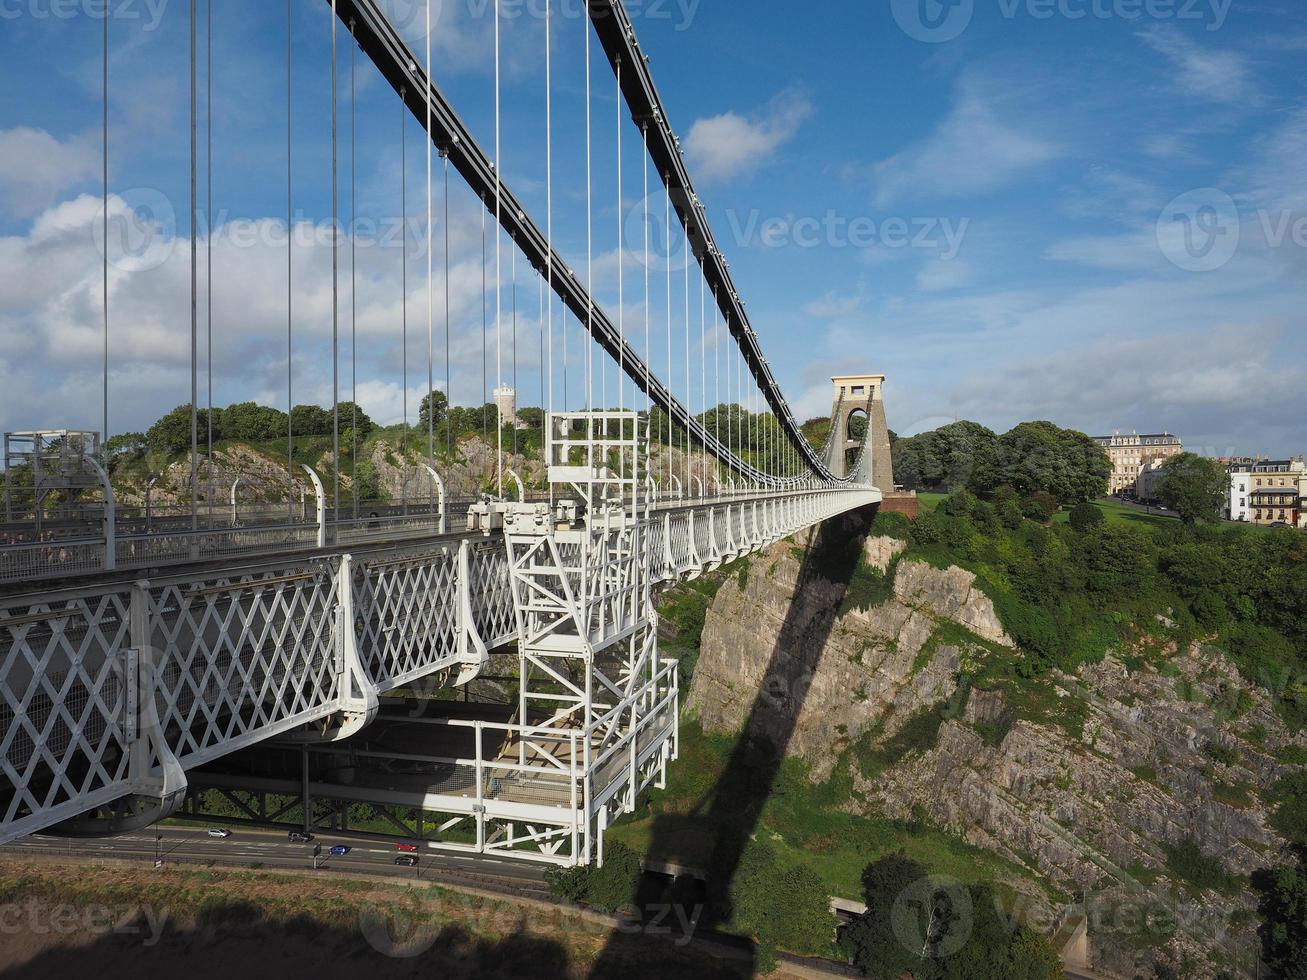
352	416
310	420
129	444
1194	487
1067	595
251	422
1035	457
939	929
1284	916
1039	456
172	433
952	456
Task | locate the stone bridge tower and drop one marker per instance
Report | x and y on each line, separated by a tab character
860	400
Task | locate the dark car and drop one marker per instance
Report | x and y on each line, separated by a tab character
407	861
299	837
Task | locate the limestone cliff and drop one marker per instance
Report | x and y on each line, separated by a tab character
1104	782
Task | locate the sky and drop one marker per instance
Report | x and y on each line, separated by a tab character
1088	211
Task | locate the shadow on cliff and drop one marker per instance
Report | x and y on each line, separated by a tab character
733	809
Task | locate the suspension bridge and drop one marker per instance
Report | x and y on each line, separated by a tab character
135	648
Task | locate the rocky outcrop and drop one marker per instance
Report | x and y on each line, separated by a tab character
880	552
827	679
950	594
1092	781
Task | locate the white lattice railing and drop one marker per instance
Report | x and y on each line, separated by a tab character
202	664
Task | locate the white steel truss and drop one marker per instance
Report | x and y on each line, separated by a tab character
110	692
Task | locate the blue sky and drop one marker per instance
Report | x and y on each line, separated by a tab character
1093	211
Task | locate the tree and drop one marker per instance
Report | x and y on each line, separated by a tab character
1194	487
352	415
251	422
1040	456
310	420
870	942
939	929
532	418
1283	909
1086	516
428	422
956	455
815	430
132	444
172	433
1119	560
782	904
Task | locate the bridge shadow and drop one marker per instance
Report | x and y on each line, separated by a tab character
386	936
732	811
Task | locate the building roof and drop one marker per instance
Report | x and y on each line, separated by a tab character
1134	436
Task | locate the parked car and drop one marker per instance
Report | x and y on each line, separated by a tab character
406	847
340	850
219	833
407	861
299	837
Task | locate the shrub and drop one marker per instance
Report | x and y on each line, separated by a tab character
868	587
1290	816
1086	516
1210	610
1189	864
610	888
1040	507
782	904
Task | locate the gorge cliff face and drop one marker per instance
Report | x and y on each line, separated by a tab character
1112	782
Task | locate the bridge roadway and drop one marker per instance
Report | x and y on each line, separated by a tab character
114	686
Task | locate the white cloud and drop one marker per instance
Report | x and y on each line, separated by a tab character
51	323
942	274
725	146
1221	76
973	151
1212	383
1278	178
834	305
36	167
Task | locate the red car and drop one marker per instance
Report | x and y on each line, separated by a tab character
408	848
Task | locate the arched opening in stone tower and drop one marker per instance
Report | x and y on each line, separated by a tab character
857	432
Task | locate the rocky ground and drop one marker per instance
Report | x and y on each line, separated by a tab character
1109	784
